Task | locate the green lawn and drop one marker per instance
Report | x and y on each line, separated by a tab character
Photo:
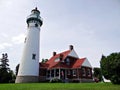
60	86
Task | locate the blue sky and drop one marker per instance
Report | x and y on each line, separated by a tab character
91	26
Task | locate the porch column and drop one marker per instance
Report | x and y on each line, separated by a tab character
65	73
47	74
78	74
54	73
50	74
59	73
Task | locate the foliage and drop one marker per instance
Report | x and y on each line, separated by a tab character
60	86
6	75
55	80
4	62
97	74
44	60
110	66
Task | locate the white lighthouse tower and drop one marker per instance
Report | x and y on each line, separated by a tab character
29	65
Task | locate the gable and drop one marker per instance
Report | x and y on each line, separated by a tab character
54	60
86	63
73	54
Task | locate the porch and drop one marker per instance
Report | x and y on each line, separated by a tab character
83	74
63	74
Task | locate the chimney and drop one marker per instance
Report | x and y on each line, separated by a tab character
54	53
71	47
61	56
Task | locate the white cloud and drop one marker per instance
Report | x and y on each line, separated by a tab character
18	39
4	35
5	3
6	42
4	45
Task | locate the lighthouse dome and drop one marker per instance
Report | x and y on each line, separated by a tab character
34	16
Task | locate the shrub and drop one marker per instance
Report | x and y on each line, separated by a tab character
55	80
115	79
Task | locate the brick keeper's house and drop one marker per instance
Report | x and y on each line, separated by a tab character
66	66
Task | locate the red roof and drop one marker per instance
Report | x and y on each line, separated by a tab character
51	63
78	63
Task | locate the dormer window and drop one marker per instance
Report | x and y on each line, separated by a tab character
57	59
68	61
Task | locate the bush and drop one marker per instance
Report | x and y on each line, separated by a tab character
55	80
115	79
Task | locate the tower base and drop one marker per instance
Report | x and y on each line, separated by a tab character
27	79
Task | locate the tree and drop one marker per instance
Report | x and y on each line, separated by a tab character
44	60
110	66
5	72
4	62
97	74
105	67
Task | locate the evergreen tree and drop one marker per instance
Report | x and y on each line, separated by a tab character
5	72
4	62
44	60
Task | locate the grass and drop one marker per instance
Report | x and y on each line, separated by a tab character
60	86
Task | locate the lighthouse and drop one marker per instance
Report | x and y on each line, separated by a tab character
29	64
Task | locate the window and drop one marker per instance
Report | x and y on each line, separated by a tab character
57	72
25	40
88	72
34	56
52	73
68	61
48	73
36	25
83	72
57	59
68	72
74	73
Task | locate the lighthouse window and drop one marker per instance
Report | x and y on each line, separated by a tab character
25	40
34	56
36	25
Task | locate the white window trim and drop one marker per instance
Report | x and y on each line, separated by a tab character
74	72
34	56
89	73
57	59
83	72
68	72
